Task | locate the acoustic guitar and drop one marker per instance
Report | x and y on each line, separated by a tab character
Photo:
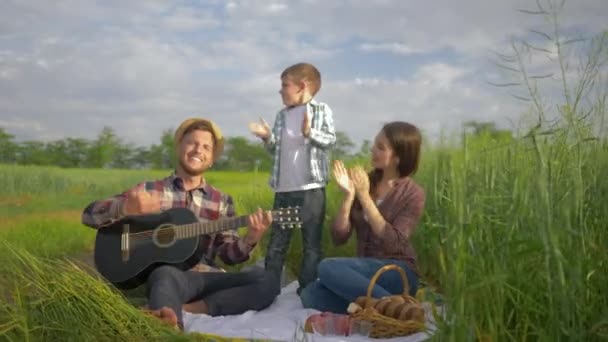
129	249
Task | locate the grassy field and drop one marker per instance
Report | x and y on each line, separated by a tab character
514	235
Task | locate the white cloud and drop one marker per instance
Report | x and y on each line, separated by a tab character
141	66
438	97
276	7
440	76
396	48
189	19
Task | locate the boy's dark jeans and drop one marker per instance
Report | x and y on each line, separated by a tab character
312	214
224	293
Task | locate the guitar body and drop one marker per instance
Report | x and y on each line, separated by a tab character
144	254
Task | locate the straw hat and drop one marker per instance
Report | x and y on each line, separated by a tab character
213	128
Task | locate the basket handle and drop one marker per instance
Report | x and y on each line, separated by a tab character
372	283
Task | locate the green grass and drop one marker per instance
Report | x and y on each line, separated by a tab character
57	300
517	235
50	237
40	229
514	235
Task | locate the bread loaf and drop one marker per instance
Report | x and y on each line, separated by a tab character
366	302
393	309
397	299
417	314
404	308
382	304
411	312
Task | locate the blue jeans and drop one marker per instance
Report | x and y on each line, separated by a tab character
312	213
342	280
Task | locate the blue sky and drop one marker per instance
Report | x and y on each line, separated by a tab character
68	68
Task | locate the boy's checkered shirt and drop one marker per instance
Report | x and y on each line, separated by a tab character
322	138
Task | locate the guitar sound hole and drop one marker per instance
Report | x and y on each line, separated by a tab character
164	236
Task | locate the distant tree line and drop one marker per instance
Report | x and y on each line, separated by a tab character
108	150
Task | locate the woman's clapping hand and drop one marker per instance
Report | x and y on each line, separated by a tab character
360	180
342	178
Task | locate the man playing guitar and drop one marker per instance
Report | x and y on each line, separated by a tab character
170	289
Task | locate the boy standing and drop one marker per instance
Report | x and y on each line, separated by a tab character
300	141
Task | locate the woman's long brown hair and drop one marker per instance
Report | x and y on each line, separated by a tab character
405	140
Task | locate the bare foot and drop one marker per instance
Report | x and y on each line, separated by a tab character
166	315
197	307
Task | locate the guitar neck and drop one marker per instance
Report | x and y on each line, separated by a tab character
191	230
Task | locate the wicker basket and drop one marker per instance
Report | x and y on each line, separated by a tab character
384	326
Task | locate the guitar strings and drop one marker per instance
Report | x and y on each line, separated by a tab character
150	233
172	231
164	232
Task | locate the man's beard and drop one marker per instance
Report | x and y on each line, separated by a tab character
192	171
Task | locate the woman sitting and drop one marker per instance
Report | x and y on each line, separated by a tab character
383	209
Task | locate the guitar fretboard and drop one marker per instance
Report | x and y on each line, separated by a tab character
187	231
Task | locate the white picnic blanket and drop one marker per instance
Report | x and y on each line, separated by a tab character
281	321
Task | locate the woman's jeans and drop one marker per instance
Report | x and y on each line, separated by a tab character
342	280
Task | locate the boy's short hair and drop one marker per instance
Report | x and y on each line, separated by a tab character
305	71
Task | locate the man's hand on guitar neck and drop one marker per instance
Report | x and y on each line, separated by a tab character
141	202
257	223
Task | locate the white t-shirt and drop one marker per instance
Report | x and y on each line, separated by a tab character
294	171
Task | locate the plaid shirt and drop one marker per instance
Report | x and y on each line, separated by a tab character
207	203
402	209
322	137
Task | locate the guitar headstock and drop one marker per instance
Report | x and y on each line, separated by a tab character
287	217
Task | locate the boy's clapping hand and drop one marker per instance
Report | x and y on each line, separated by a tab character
260	129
